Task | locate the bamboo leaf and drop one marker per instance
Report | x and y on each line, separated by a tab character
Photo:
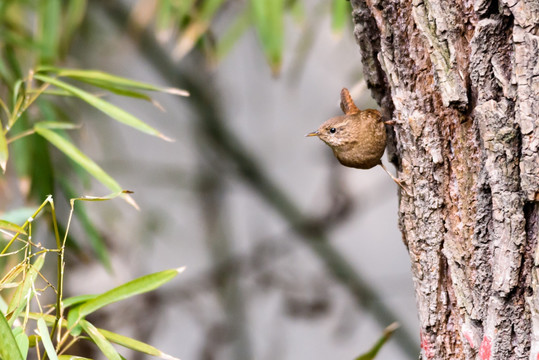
56	125
75	12
75	300
46	339
3	150
371	354
111	110
77	156
24	291
138	286
340	13
18	215
233	33
50	29
9	350
134	344
72	357
109	81
22	341
269	21
73	321
104	345
6	225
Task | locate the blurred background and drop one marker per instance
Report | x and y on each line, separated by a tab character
288	254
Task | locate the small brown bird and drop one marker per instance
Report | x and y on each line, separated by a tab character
358	138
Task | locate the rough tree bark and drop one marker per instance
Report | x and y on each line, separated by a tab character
461	80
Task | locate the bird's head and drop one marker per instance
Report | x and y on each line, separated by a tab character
336	131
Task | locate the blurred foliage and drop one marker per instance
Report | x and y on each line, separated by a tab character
35	98
191	23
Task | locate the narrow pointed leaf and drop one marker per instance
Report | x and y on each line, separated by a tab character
22	341
111	110
109	81
77	156
3	150
371	354
138	286
75	300
46	339
6	225
102	343
269	20
76	10
24	291
56	125
341	12
49	29
233	33
18	215
73	321
134	344
9	350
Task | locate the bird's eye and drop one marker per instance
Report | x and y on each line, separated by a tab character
332	130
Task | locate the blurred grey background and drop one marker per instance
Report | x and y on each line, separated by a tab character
253	287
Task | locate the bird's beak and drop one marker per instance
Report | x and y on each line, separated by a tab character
314	133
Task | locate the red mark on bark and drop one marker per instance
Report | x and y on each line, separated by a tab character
470	340
484	350
425	345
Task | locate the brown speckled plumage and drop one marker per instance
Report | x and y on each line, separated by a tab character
358	138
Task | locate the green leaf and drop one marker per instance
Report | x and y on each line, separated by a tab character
138	286
9	350
75	300
56	125
340	14
73	321
72	357
22	341
49	16
102	343
109	81
371	354
269	21
24	291
18	215
122	193
134	344
46	339
233	33
3	305
3	150
76	9
11	227
77	156
111	110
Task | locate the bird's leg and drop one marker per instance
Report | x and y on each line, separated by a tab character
397	181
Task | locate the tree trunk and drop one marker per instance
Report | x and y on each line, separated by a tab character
461	80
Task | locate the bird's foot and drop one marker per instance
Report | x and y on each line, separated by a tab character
397	181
